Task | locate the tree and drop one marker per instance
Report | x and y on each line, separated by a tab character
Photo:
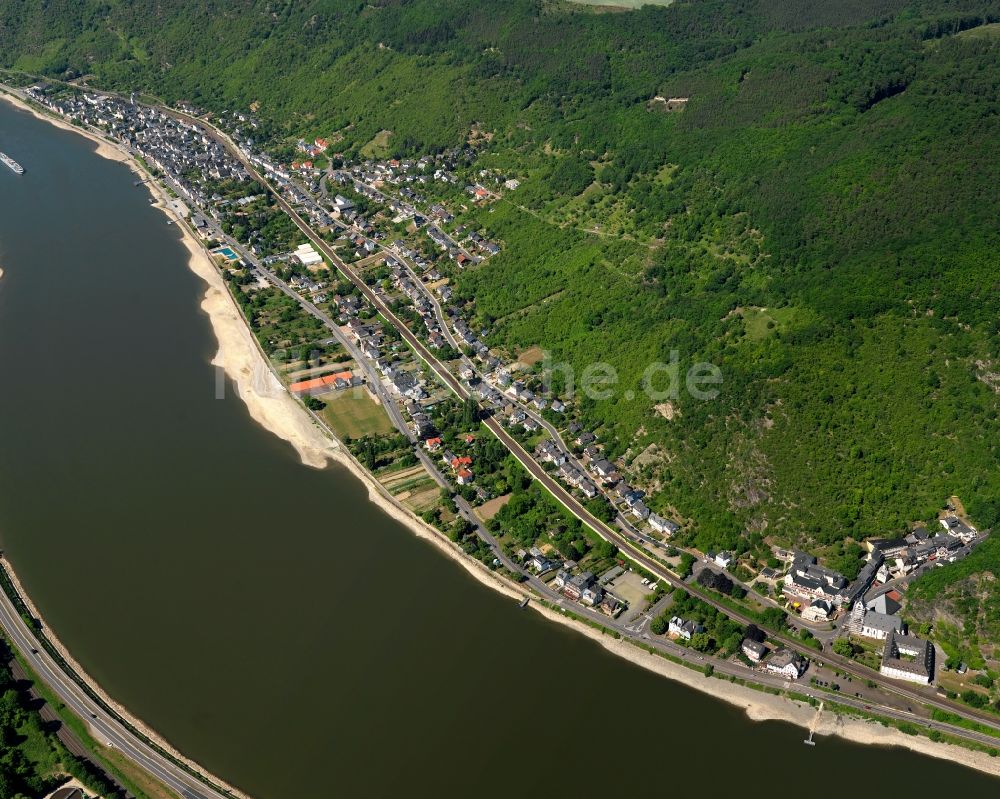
605	549
470	413
715	580
732	643
658	625
843	647
687	561
984	680
754	633
601	508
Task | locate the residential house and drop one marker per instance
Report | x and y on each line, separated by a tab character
679	628
658	523
541	564
817	610
610	605
754	650
786	663
582	587
548	451
602	468
958	528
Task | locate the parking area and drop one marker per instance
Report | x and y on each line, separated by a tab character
629	588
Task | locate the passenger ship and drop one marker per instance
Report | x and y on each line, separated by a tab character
16	167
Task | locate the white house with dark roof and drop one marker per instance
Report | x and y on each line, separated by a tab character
661	525
754	650
679	628
786	663
958	528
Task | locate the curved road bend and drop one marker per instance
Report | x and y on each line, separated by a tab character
103	726
556	489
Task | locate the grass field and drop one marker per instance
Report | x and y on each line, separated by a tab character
353	413
982	32
378	147
760	322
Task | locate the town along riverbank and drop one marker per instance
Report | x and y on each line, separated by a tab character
266	618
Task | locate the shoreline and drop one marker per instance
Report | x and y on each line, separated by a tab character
107	699
270	405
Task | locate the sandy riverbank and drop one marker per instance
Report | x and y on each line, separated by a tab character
272	407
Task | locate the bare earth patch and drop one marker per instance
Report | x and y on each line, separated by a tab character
530	357
667	410
488	510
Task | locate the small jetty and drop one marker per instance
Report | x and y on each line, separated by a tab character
523	603
812	727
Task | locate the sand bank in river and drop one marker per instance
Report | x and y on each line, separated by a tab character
272	407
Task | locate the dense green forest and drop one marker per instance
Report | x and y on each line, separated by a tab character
962	601
820	220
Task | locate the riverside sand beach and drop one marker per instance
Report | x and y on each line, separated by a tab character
278	412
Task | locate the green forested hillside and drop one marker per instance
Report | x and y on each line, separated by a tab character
820	220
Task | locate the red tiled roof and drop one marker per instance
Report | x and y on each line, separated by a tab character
304	386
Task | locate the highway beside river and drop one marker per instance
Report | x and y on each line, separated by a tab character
103	725
265	618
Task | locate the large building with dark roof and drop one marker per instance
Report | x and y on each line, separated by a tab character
907	657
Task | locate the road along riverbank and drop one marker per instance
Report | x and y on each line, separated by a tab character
278	412
21	602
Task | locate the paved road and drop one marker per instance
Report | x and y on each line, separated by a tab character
570	502
104	726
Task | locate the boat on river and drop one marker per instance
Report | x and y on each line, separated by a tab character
15	167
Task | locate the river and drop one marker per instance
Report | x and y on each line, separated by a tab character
265	617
